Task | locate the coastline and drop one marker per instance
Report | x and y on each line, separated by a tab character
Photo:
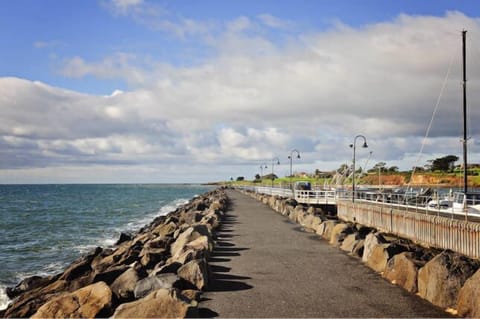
149	253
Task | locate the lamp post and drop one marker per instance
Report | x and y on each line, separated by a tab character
353	174
290	157
261	171
273	163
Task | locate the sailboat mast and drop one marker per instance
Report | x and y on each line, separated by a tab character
465	185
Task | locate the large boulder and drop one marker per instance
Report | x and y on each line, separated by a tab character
402	270
150	284
162	303
351	243
440	280
371	240
88	302
381	254
325	228
468	304
188	235
195	272
123	287
339	232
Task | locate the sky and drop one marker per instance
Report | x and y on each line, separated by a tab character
141	91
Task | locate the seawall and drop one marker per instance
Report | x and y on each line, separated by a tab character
444	278
158	272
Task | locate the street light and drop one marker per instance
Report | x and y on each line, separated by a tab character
290	157
353	175
261	171
273	163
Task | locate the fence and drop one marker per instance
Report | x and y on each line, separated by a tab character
428	230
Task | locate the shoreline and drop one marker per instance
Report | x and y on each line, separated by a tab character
101	265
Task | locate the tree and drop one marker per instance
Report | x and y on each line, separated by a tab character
257	177
379	166
445	163
240	178
393	169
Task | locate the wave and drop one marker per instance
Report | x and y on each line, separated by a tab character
105	239
4	300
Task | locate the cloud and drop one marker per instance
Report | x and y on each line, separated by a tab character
274	22
254	99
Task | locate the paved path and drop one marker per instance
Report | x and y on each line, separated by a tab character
265	266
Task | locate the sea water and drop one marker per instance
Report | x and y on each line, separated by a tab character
43	228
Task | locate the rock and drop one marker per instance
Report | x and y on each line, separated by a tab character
372	240
351	242
339	232
468	304
325	229
165	230
169	267
109	275
123	238
149	257
123	287
195	272
381	254
440	280
162	303
190	234
150	284
28	284
402	270
192	294
88	302
190	217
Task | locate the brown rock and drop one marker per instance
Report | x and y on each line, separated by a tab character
88	302
440	280
381	254
371	240
351	242
468	304
403	271
325	228
195	272
162	303
339	232
124	286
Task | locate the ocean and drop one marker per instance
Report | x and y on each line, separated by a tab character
43	228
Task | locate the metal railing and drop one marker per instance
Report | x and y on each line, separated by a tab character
301	196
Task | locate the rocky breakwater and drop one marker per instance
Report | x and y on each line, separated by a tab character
446	279
158	272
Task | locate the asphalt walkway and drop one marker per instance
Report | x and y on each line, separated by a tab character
266	266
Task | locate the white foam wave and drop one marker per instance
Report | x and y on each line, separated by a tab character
4	300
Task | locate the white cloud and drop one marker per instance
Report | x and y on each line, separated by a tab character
274	22
253	100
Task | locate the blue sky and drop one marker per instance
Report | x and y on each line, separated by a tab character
139	90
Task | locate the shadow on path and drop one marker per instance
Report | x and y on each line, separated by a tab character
220	279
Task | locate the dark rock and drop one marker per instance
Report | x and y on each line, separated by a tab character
123	238
108	276
28	284
171	267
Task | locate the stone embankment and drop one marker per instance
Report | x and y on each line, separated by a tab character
444	278
159	272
